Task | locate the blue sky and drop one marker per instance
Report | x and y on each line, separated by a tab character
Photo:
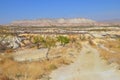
11	10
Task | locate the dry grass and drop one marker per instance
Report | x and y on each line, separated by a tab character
12	70
113	45
110	57
28	70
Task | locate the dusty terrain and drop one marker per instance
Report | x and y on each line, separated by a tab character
88	66
78	54
87	62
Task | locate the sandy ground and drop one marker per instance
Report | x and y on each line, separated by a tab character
30	54
88	66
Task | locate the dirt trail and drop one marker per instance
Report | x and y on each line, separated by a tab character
88	66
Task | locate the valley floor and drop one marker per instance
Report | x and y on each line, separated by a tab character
85	60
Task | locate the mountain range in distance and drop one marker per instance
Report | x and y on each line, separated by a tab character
65	22
112	21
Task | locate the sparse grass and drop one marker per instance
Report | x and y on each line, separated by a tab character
113	45
29	70
91	42
110	57
52	67
9	51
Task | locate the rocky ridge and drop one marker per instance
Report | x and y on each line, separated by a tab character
55	22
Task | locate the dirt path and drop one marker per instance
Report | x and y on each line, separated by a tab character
88	66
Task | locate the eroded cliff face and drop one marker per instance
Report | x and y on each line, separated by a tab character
55	22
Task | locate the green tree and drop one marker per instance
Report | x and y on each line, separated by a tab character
38	40
63	40
49	43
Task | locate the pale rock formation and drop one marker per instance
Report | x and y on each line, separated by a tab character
55	22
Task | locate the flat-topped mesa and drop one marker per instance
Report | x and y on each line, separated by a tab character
55	22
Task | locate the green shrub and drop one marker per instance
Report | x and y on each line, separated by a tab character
52	67
63	40
38	39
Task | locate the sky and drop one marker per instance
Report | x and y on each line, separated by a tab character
11	10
